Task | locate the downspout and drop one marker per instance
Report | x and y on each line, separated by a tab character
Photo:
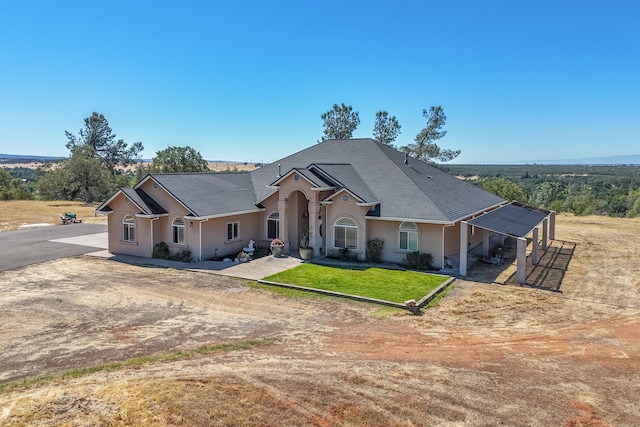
153	219
443	242
200	238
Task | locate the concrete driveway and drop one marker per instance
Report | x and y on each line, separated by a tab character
32	246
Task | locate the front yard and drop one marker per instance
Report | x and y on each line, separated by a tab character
379	283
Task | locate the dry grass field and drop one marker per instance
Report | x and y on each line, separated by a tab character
491	353
215	166
17	213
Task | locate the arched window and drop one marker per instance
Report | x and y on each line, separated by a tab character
273	225
409	236
178	231
129	229
345	234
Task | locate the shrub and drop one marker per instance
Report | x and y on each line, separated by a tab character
161	251
260	251
345	255
418	261
183	256
374	250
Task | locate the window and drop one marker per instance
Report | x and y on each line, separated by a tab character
273	225
129	229
409	236
178	231
233	230
345	234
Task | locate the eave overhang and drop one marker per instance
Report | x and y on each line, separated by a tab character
151	215
223	215
274	190
367	204
149	176
417	220
346	190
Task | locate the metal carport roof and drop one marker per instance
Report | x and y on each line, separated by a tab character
514	219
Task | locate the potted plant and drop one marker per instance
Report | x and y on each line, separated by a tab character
277	246
306	252
243	257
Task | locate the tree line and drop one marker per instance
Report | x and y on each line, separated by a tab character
612	190
98	164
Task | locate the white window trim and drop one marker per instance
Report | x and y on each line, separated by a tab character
233	238
184	233
129	225
353	227
277	225
409	232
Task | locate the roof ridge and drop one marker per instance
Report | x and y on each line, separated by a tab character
382	147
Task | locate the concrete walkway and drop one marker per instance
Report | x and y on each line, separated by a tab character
253	270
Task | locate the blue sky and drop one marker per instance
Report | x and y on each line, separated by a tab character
248	80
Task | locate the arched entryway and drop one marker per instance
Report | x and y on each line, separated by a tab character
298	215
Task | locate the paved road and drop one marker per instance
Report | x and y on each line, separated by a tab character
32	246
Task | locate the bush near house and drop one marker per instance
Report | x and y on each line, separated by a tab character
418	261
374	250
343	254
161	251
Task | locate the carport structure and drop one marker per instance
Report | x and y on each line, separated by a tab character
515	220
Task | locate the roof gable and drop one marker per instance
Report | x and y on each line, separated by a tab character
373	172
415	190
139	198
147	205
347	177
210	194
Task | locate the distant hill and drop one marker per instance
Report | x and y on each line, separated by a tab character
629	159
25	158
32	162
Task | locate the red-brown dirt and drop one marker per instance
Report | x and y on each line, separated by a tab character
491	353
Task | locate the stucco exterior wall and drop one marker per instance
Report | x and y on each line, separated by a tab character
295	193
163	226
140	246
429	240
270	206
346	208
452	240
297	205
214	235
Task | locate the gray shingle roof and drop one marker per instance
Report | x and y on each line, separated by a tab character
147	205
347	177
415	191
372	171
209	194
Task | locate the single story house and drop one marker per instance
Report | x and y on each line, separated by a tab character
346	192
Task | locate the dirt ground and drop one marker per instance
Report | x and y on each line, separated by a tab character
562	351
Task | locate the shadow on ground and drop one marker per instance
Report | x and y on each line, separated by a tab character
548	274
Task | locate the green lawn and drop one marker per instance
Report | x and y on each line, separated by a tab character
389	285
